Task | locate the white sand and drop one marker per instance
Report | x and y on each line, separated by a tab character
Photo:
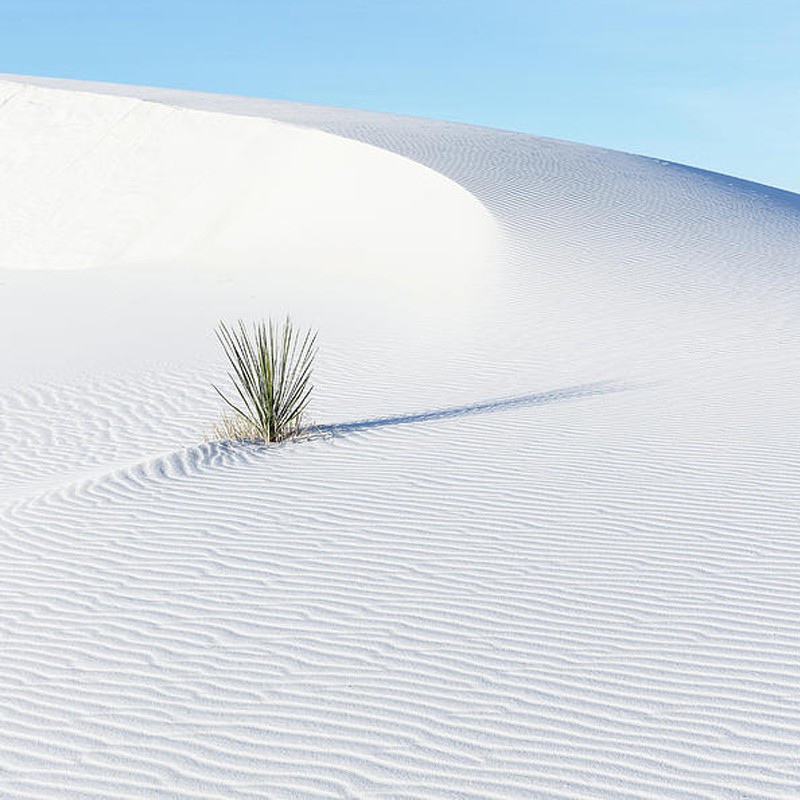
589	591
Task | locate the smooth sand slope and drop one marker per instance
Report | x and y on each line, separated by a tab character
550	544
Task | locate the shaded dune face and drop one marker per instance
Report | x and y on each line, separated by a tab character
546	542
95	181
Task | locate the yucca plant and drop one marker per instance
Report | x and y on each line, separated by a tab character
271	367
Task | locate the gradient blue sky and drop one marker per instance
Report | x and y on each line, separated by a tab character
712	83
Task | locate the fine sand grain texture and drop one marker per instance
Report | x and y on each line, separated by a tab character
546	540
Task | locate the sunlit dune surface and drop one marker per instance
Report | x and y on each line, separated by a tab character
545	541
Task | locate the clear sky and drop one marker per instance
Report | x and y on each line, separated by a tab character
712	83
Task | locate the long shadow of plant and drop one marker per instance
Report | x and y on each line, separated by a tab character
484	407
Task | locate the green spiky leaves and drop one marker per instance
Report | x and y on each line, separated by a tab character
271	367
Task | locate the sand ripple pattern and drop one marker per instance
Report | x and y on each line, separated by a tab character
215	624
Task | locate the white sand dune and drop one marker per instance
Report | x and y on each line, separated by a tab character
550	546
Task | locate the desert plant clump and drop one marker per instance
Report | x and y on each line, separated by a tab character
234	427
270	370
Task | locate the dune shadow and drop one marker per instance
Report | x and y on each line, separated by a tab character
484	407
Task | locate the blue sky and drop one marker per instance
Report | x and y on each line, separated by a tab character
712	83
